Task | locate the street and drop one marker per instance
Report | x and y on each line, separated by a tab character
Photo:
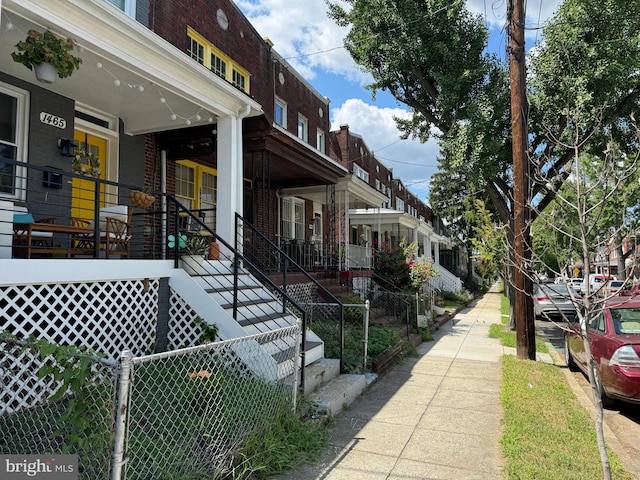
623	419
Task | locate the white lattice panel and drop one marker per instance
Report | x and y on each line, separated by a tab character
107	317
183	331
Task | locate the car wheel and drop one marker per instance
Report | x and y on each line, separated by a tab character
571	364
606	400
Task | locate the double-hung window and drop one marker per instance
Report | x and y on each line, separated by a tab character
320	140
281	113
13	127
127	6
292	216
303	128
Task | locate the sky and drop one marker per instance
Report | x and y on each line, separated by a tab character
312	43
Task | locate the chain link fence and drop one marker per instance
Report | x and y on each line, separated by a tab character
184	414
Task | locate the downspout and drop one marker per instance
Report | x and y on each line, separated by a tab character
163	190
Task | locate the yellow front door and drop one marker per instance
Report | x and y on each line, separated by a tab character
83	191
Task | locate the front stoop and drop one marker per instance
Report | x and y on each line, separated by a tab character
339	393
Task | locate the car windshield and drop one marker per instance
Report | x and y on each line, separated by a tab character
626	321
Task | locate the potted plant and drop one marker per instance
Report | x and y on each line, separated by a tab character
141	198
193	248
47	55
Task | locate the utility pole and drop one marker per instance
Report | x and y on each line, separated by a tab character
525	326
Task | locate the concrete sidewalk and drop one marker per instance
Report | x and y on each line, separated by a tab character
437	416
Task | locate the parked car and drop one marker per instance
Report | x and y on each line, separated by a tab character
597	283
577	284
614	337
554	300
616	287
631	291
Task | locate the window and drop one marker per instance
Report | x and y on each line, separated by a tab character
13	127
281	113
292	218
196	189
399	204
196	50
303	128
238	79
320	141
377	184
207	54
218	66
127	6
358	171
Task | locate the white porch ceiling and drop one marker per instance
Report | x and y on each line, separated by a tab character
130	53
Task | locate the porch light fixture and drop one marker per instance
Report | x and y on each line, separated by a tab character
67	148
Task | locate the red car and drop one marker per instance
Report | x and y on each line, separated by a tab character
614	336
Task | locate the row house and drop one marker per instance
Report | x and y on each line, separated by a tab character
399	214
186	100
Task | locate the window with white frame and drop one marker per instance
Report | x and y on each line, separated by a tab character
399	204
377	184
303	128
127	6
360	172
281	113
320	140
292	218
13	127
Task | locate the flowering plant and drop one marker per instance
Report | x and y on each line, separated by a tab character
403	269
45	47
86	163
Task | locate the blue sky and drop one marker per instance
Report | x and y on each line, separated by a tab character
312	43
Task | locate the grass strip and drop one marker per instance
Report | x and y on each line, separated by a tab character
508	337
547	434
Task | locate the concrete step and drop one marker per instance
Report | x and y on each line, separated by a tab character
339	393
320	373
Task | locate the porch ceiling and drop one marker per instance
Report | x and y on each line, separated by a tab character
129	52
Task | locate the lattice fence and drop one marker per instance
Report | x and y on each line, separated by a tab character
107	317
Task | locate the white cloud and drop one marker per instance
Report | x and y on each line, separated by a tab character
412	162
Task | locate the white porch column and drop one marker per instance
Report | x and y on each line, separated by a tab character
229	194
347	229
437	253
415	237
427	248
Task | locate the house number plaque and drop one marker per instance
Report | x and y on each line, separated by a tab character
52	120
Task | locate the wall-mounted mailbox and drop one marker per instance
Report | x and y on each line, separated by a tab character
52	179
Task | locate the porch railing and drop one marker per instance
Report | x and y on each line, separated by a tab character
263	255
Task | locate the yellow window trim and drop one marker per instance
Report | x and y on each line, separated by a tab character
209	49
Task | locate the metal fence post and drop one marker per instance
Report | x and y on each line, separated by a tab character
124	380
366	334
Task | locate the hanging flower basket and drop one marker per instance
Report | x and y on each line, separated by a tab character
40	48
141	199
45	72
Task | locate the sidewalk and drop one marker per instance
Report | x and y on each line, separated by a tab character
437	416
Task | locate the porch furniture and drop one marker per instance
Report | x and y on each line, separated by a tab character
114	232
43	238
26	237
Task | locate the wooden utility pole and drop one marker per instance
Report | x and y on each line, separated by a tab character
525	326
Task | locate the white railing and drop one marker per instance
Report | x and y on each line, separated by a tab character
358	257
445	281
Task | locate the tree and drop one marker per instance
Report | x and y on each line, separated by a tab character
580	206
429	55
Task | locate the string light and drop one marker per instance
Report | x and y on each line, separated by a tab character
117	82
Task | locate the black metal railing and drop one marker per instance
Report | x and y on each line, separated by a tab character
256	246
